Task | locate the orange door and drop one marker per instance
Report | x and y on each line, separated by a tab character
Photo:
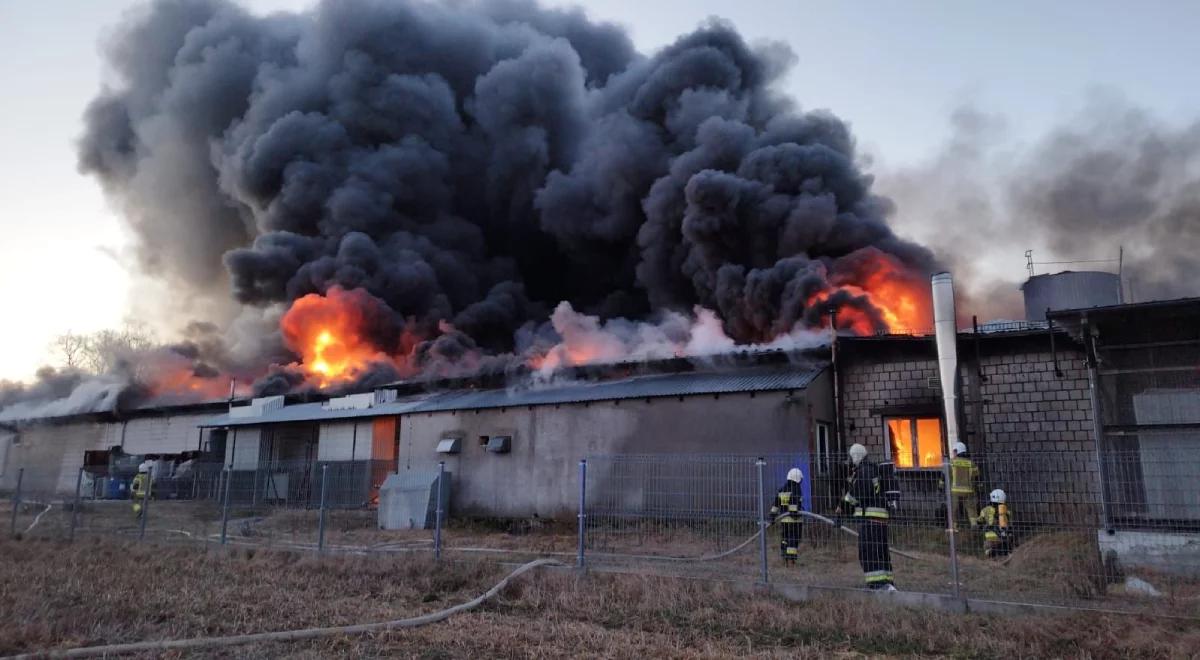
383	453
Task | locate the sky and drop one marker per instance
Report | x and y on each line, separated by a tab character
896	71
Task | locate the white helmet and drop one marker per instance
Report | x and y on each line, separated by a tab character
857	453
960	449
795	475
144	468
998	497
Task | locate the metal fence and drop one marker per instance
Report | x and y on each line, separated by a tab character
1044	541
1119	532
300	504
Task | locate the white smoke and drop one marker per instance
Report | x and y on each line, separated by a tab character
96	394
586	339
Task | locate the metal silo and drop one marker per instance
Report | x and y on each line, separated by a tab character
1069	290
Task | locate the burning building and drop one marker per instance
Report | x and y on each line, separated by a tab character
413	226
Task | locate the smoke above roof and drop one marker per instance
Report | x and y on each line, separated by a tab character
370	190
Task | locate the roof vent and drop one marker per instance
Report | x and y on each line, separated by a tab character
361	401
257	407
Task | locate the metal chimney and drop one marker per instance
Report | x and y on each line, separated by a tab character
946	333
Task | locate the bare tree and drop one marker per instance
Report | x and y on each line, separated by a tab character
106	350
71	349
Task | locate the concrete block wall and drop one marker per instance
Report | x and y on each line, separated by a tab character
869	385
1029	430
1037	428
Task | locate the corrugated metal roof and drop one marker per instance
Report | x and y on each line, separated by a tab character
635	387
310	412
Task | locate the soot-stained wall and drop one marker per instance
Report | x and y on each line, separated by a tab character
539	474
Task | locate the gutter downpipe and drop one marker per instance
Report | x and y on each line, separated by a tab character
1089	339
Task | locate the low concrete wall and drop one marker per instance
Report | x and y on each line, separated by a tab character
1167	552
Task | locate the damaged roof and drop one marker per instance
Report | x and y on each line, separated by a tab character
554	393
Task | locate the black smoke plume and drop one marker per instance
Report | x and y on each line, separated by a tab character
477	163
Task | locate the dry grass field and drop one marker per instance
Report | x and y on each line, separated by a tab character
1060	568
55	595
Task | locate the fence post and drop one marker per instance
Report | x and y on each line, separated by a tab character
228	474
579	557
75	509
321	520
16	501
762	520
437	518
947	474
146	504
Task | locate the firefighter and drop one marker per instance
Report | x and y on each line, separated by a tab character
997	525
871	495
963	475
139	490
789	501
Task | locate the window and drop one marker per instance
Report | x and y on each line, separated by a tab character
915	442
824	448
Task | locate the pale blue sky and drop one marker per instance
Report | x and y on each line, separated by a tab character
894	70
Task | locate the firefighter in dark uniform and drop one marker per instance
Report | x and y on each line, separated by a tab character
789	502
871	495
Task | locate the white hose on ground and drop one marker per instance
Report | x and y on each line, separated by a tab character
36	518
397	547
288	635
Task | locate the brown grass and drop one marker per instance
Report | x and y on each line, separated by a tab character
1052	568
57	595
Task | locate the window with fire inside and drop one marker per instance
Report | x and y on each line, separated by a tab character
914	443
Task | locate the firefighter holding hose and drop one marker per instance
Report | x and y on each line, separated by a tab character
789	502
871	496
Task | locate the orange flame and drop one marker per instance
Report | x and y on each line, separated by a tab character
899	294
330	334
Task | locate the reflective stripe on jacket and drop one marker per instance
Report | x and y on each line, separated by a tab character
963	474
788	502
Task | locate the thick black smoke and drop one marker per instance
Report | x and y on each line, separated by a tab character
477	163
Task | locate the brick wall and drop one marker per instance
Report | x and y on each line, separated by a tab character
1037	433
1027	428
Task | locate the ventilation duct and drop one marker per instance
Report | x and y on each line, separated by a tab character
946	333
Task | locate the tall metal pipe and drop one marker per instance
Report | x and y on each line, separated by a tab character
321	518
579	556
946	334
762	520
437	521
945	330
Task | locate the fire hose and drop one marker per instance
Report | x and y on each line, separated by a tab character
288	635
421	545
838	525
38	517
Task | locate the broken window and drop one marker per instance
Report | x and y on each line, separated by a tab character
915	442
